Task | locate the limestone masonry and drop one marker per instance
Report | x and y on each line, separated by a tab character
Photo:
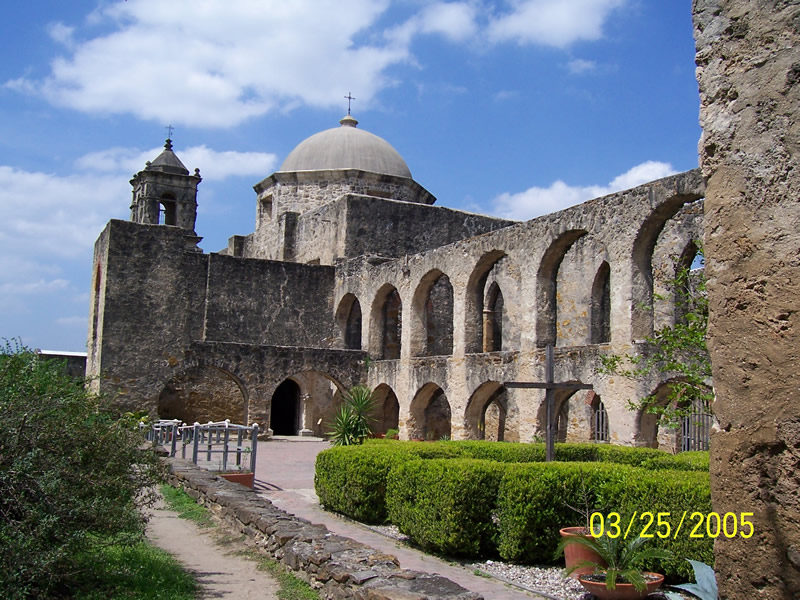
352	275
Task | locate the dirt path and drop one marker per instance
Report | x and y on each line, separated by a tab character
219	573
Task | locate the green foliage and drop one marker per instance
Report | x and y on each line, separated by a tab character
72	476
352	480
677	351
350	423
392	434
179	501
142	571
622	557
446	505
291	588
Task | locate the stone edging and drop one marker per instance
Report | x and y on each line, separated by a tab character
339	567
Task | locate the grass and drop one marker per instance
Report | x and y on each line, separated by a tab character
291	587
186	507
127	572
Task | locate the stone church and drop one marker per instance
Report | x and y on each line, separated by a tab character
353	275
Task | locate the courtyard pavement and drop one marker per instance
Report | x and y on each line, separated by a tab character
285	475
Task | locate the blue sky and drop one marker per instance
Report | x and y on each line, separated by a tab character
514	108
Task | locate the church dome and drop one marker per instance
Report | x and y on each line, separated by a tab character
346	147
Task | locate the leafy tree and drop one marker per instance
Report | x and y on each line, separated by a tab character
71	476
677	352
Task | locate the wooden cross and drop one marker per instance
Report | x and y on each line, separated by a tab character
550	387
349	98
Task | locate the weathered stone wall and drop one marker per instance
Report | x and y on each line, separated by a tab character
268	302
338	567
748	68
546	269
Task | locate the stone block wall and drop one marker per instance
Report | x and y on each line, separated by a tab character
340	568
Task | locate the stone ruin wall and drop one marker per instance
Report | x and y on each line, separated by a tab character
748	68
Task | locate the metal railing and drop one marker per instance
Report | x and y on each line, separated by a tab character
234	444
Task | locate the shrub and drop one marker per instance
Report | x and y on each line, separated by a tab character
532	506
351	480
71	476
446	505
350	424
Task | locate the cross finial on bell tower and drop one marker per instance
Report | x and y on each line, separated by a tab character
169	129
349	99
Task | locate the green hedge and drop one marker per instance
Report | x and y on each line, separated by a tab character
446	505
532	506
351	480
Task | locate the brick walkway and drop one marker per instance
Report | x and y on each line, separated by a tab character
285	475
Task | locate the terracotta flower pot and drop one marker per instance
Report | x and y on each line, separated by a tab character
623	591
245	479
576	553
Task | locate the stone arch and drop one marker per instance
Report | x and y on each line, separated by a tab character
304	403
432	316
546	286
601	305
167	209
493	313
572	417
642	275
474	319
348	319
430	415
386	414
684	436
487	409
386	324
202	393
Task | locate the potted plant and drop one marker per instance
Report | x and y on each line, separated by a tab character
577	554
620	577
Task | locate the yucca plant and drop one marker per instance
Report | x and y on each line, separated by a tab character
623	559
350	424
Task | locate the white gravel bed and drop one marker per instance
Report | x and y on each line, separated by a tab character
548	581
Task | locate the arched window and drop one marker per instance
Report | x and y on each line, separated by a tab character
599	420
493	319
392	326
439	318
167	211
348	317
601	305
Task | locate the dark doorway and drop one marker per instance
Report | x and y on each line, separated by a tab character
285	410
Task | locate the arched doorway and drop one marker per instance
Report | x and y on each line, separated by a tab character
485	417
430	414
285	409
202	394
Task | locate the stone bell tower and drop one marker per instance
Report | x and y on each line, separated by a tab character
164	192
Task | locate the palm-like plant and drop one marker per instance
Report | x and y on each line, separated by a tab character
623	558
350	424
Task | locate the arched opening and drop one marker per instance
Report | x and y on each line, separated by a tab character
486	413
430	417
572	419
167	210
691	432
599	419
642	276
547	287
433	310
688	273
386	325
601	305
386	413
285	409
348	318
202	394
493	319
475	320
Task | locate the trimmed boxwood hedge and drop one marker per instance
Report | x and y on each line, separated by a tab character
532	506
446	505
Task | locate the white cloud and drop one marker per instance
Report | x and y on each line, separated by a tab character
82	322
214	165
217	64
557	23
537	201
579	66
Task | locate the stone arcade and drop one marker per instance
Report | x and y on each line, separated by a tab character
353	275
